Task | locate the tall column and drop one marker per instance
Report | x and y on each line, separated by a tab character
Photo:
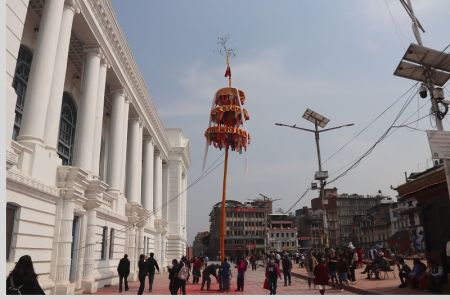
99	117
88	283
62	275
157	194
165	193
184	205
84	134
41	74
123	160
139	163
141	240
116	138
59	76
147	173
133	163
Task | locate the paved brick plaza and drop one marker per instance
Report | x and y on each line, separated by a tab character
253	286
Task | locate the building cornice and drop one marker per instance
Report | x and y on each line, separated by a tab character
26	185
180	152
103	22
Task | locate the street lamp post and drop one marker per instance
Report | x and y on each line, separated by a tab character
319	121
432	68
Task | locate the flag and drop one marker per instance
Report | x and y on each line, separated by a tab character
228	72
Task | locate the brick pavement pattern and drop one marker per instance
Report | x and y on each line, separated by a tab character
253	286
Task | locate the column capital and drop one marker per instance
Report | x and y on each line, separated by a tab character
92	204
92	50
73	5
104	62
119	92
149	139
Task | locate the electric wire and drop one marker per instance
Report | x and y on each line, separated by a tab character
369	151
204	174
371	123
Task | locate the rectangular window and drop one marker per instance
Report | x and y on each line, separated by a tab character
104	242
10	218
111	244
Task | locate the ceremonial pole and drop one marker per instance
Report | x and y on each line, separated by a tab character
226	131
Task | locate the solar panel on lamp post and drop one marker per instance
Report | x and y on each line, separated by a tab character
319	121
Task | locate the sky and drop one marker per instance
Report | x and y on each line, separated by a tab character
335	57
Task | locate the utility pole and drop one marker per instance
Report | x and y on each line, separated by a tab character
319	121
431	69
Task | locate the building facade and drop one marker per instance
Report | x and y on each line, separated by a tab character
246	228
349	206
92	173
282	233
200	246
331	223
310	227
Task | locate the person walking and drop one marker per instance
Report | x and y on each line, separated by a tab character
142	273
343	269
253	262
241	267
173	277
207	272
183	273
353	264
22	280
310	263
196	266
123	269
321	275
272	275
332	268
152	265
286	264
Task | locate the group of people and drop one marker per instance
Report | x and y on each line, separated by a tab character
422	276
147	267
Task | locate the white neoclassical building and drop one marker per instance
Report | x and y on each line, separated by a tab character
91	171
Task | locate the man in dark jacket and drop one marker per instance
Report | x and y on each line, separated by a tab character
152	264
286	263
123	269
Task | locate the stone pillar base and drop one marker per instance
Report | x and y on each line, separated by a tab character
64	289
89	287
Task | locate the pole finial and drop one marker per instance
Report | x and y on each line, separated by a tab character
226	51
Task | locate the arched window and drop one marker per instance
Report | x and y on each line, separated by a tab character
20	85
67	126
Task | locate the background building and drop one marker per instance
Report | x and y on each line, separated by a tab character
310	227
281	233
201	244
349	206
246	228
91	172
331	224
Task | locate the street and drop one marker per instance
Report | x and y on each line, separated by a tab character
253	286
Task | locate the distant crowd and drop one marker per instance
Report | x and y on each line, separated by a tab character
325	268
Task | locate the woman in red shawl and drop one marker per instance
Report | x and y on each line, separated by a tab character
321	275
196	266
